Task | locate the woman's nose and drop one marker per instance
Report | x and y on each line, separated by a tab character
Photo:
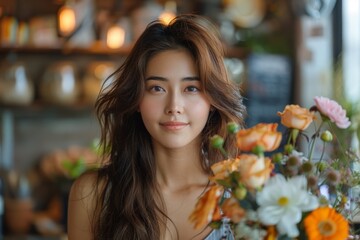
173	110
175	104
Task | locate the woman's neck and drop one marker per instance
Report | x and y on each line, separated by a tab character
179	168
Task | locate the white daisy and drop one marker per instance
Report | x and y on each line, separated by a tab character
281	203
294	153
244	231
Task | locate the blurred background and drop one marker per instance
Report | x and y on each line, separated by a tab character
55	55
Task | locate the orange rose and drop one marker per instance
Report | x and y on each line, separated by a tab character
262	134
207	208
232	210
296	117
254	170
222	169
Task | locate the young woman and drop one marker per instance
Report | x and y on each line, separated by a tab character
170	96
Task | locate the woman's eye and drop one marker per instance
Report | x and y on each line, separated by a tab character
156	89
192	89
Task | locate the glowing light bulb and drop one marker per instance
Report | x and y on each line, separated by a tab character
115	37
169	12
67	20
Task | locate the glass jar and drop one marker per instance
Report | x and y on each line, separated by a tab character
96	75
16	88
59	84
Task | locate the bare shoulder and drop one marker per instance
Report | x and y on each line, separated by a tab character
83	198
85	187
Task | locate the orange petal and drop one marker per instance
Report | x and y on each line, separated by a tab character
205	209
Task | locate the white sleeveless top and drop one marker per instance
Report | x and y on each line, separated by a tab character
223	233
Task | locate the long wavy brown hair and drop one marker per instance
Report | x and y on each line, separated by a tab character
127	206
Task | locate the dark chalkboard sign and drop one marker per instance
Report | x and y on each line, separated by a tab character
268	87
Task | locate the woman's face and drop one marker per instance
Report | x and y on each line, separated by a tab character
174	107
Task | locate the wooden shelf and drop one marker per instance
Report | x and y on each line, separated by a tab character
37	108
97	49
66	50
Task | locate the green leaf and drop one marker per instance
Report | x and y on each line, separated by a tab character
224	182
215	224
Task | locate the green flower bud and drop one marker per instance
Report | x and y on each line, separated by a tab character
240	193
288	148
326	136
277	157
258	150
321	166
216	141
232	127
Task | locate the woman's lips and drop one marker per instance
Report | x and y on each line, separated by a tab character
174	125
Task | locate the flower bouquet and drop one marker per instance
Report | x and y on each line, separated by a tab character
63	166
302	191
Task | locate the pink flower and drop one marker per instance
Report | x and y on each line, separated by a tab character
333	111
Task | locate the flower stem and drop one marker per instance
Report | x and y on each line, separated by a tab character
316	134
222	150
294	134
321	157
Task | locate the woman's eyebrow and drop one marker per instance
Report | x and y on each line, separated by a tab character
194	78
191	78
155	78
